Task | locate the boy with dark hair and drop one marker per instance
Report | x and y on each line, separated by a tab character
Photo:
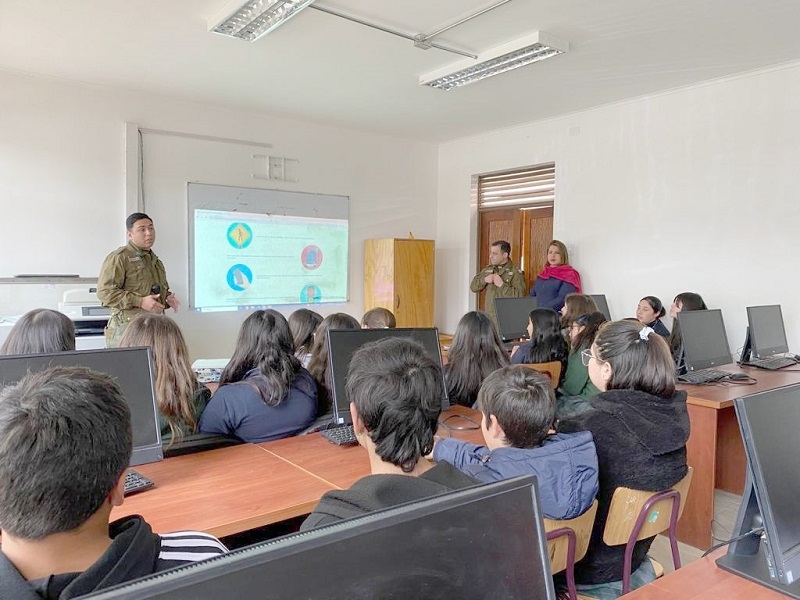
65	443
395	392
518	406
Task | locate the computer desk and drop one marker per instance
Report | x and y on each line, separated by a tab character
234	489
715	448
703	580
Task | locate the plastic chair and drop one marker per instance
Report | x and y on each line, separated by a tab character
551	369
567	543
636	515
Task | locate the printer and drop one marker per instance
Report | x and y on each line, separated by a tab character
90	317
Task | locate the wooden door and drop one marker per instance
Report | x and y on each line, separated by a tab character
414	273
528	229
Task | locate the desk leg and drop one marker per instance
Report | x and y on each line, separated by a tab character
731	461
694	528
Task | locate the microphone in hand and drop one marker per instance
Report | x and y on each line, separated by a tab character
156	289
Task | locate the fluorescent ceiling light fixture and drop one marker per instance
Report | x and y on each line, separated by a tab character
512	55
255	18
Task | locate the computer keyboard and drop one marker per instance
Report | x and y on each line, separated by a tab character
344	435
772	363
703	376
136	482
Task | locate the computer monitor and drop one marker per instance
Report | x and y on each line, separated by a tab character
482	542
705	343
767	335
602	304
132	368
769	422
342	344
512	316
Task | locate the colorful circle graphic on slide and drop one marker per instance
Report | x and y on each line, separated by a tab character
311	257
311	294
240	235
239	277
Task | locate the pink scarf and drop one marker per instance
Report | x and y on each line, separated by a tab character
563	273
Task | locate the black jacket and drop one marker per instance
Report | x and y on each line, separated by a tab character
135	551
641	444
375	492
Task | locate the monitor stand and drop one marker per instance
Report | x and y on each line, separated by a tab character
747	348
746	557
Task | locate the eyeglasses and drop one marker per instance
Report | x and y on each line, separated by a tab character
586	356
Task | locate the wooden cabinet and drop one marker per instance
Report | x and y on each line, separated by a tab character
399	276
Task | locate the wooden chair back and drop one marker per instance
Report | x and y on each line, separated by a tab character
626	504
557	547
551	369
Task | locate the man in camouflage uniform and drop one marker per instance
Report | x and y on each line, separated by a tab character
500	278
132	279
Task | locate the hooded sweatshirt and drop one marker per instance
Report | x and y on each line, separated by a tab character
375	492
135	551
641	444
565	466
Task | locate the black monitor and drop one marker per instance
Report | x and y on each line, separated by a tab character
513	315
766	332
769	422
482	542
601	303
133	370
705	343
342	344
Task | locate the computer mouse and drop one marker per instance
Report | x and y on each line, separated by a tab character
739	377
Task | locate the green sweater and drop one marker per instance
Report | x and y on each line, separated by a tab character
576	381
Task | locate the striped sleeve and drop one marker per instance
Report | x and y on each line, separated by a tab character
182	547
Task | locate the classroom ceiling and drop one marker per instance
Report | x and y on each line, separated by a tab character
326	69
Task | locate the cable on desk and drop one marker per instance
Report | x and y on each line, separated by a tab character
475	424
754	531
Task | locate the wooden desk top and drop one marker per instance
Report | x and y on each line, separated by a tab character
223	491
703	579
722	395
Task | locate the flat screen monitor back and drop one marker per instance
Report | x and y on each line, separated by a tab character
767	333
477	543
602	304
705	343
769	422
342	344
513	315
133	370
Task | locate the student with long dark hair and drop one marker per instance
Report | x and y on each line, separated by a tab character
684	301
264	394
557	279
546	343
303	323
40	331
640	426
649	312
476	351
318	366
576	387
576	305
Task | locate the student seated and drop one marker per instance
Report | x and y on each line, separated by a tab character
395	392
640	427
576	387
649	312
264	394
518	407
684	301
576	305
546	342
58	491
181	398
475	352
303	323
40	331
378	318
318	366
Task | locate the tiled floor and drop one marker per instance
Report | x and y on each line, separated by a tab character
726	506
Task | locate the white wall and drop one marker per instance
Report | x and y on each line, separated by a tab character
693	190
63	180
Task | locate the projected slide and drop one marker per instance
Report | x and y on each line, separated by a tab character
248	260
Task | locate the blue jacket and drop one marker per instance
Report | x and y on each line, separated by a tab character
565	466
550	292
237	409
